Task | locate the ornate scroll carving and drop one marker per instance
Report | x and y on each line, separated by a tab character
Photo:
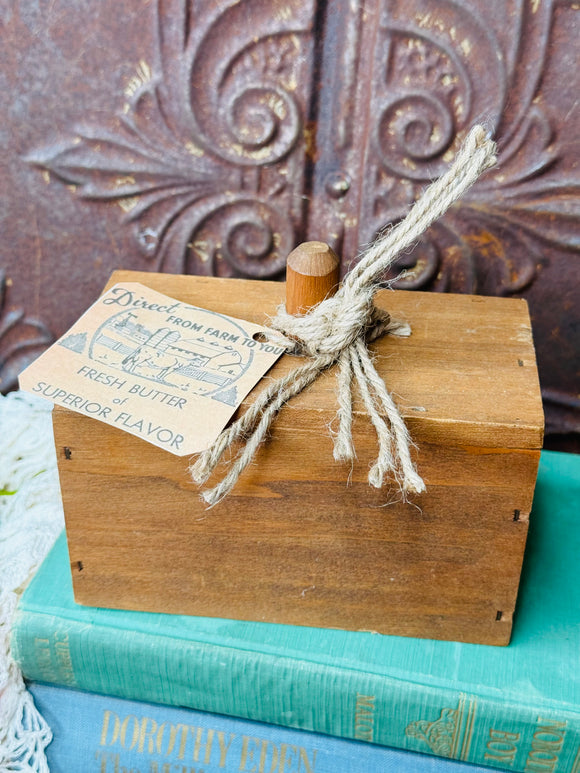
426	74
22	338
206	159
254	124
441	70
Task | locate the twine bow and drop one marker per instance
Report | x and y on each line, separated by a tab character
337	331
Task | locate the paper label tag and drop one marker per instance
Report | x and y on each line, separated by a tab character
152	366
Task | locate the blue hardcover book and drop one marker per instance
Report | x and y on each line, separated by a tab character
100	734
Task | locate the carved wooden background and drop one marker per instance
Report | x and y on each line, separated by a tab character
210	137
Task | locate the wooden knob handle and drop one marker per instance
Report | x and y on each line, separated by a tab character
312	274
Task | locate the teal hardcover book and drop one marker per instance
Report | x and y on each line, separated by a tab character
515	707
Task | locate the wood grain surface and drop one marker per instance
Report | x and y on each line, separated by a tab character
303	539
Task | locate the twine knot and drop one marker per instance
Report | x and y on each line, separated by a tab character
331	326
337	331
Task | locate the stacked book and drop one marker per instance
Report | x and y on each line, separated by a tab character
154	693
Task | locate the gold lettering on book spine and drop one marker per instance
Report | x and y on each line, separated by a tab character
53	659
190	743
364	717
576	764
547	743
451	734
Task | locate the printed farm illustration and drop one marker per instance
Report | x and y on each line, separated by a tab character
193	362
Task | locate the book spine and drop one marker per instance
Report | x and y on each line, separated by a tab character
343	703
109	735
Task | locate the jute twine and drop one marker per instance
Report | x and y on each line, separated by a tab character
338	331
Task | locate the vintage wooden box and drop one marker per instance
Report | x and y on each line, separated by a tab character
303	539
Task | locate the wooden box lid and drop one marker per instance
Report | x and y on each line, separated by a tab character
467	375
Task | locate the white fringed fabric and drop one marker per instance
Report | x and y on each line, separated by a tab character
30	520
